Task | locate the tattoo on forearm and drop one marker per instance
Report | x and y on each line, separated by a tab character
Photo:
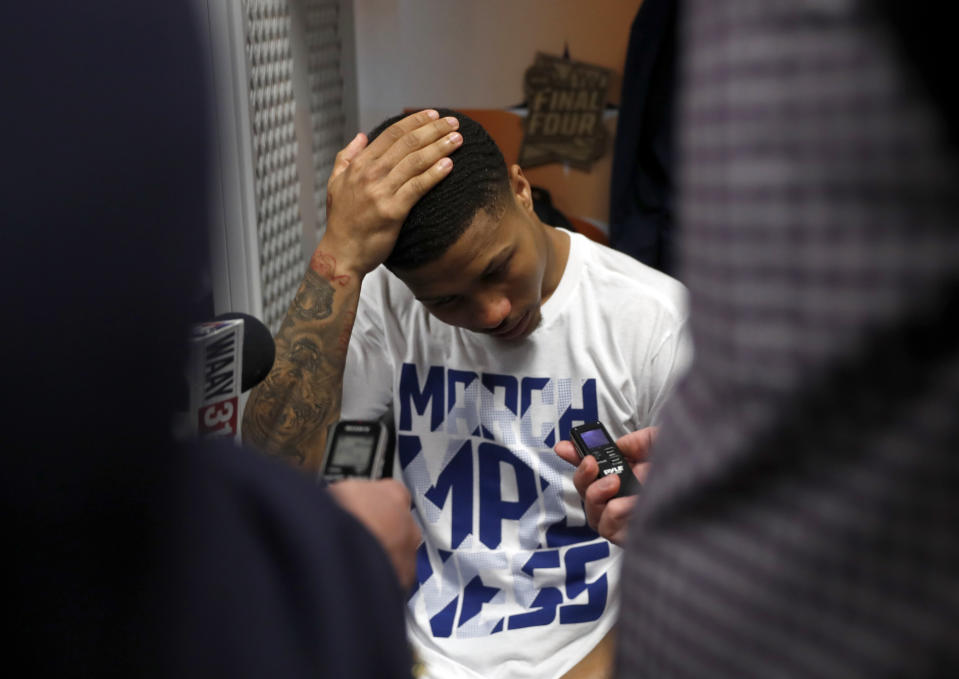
291	406
344	341
325	265
314	301
288	413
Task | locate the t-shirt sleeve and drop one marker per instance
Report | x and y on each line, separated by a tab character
666	352
368	376
667	364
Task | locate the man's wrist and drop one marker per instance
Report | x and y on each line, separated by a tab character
331	263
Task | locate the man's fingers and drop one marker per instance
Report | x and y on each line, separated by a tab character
585	474
601	492
346	156
607	514
637	444
415	188
614	521
405	161
641	471
566	451
413	140
596	497
395	133
618	510
411	168
394	489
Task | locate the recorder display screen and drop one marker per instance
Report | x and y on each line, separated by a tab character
595	438
351	451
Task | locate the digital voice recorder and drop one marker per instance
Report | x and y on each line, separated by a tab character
355	449
593	439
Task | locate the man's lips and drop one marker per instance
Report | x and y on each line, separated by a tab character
515	330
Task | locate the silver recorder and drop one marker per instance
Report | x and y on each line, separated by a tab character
356	449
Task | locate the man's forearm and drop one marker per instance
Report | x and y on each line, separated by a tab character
370	192
289	413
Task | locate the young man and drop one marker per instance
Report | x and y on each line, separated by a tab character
489	334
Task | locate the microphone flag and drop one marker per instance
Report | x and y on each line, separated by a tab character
215	370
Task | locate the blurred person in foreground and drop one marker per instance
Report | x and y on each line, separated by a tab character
800	512
129	554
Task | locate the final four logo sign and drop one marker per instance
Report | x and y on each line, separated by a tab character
564	122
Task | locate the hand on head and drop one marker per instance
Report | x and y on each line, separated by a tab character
609	515
373	187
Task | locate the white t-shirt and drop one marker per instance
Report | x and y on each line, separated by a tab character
511	581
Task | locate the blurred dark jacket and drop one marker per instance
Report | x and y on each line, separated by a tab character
642	185
126	554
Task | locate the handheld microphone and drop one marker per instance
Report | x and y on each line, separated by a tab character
229	355
259	350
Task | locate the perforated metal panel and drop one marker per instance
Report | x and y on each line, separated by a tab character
277	75
324	52
278	225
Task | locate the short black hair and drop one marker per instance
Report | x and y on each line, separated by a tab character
478	181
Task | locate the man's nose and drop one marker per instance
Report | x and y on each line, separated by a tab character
491	310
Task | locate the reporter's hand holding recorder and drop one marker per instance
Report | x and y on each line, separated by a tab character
606	513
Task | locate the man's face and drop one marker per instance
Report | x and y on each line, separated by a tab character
493	279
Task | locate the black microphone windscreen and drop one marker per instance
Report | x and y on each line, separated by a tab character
259	350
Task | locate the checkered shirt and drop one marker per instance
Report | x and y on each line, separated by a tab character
802	515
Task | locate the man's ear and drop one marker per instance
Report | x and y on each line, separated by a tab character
522	192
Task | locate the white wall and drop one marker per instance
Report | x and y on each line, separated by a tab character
473	53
